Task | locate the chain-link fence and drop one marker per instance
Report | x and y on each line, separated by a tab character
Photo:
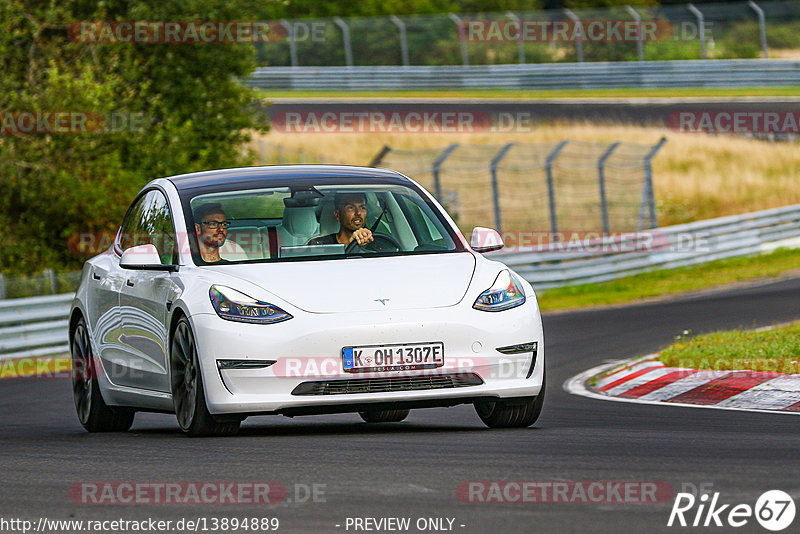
48	282
724	30
543	187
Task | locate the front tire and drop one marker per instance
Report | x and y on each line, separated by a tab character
384	416
93	413
188	394
511	413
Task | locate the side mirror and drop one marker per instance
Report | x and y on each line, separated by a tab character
485	240
144	257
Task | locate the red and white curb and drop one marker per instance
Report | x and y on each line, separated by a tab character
646	380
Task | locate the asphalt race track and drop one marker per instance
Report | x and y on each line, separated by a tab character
412	469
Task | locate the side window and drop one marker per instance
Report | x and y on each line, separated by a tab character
150	223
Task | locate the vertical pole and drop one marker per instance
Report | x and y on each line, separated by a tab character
648	193
638	19
50	279
379	156
579	42
551	195
292	44
462	36
520	41
2	286
701	28
437	186
301	155
498	218
403	38
601	179
348	51
762	26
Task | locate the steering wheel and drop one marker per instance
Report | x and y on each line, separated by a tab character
380	243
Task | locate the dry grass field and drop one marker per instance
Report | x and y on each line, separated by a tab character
696	176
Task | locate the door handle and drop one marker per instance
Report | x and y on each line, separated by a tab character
129	283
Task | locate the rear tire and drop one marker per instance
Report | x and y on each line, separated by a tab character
93	413
188	395
384	416
511	413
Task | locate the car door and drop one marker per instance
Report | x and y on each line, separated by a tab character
144	298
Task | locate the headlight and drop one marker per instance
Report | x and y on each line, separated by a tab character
236	306
505	293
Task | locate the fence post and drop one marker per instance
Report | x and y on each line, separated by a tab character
762	26
379	156
437	186
348	51
292	44
648	194
403	39
638	19
701	28
2	286
498	217
579	41
520	41
50	278
461	37
551	195
601	179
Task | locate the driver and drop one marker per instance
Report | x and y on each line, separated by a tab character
212	231
350	209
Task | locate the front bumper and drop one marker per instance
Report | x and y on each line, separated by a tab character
308	349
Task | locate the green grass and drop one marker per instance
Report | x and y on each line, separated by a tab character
553	93
772	350
671	281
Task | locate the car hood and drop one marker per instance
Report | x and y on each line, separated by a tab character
363	284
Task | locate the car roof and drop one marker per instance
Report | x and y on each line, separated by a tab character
280	175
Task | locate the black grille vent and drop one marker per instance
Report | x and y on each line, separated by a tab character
387	384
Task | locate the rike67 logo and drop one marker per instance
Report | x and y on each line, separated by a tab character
774	510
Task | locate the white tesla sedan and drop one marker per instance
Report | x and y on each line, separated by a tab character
299	290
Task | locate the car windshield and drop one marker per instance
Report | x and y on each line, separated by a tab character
316	221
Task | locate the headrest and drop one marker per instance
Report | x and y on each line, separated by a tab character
300	221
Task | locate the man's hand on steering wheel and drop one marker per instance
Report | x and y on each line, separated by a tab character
362	236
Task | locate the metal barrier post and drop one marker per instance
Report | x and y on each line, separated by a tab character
762	26
437	186
579	42
701	28
2	286
638	19
461	37
403	39
498	218
601	179
50	277
292	44
348	51
551	195
648	194
379	156
520	42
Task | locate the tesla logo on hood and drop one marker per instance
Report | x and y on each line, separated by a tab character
382	301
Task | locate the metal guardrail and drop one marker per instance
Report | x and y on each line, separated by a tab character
641	74
572	263
37	326
33	327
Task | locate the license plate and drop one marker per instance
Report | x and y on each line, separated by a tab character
405	357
